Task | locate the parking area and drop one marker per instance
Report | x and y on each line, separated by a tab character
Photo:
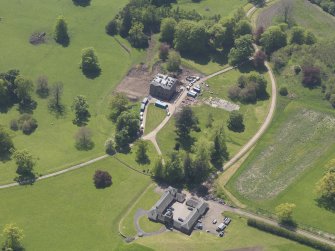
180	211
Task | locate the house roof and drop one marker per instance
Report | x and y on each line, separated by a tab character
164	81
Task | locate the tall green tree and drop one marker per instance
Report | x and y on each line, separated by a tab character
80	107
25	166
6	143
158	170
61	35
297	35
284	212
219	152
136	36
217	35
235	122
90	63
168	28
243	27
186	121
188	167
273	39
13	237
141	152
56	96
242	51
118	104
4	94
24	89
201	162
325	188
173	168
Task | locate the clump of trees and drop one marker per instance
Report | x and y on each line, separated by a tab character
325	189
249	88
235	122
25	163
13	237
127	122
273	39
326	5
90	63
61	35
300	35
26	123
219	152
102	179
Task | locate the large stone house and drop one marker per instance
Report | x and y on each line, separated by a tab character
163	87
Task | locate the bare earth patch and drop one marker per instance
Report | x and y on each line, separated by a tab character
295	146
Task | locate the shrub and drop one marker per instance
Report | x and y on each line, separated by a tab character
289	235
89	62
112	28
27	123
110	146
297	69
283	91
14	125
311	76
42	87
102	179
164	51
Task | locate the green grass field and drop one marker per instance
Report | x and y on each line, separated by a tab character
53	140
254	115
148	199
238	235
68	213
272	175
155	116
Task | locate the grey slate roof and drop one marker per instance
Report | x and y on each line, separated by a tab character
164	81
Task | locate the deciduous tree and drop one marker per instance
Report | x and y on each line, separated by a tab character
90	63
284	212
61	35
102	179
13	237
141	152
168	27
80	107
235	122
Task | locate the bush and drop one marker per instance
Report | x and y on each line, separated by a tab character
289	235
297	69
311	76
102	179
173	62
110	146
283	91
27	123
14	125
89	62
112	28
42	87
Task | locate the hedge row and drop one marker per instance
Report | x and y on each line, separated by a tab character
290	235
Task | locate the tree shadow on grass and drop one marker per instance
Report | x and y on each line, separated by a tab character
326	204
210	54
92	74
289	225
85	147
186	142
59	111
82	3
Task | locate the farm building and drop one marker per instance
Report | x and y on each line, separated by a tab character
163	87
164	211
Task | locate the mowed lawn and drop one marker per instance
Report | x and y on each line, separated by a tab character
254	115
287	163
238	235
53	141
155	116
68	213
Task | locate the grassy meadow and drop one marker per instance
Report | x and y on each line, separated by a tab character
53	141
238	235
68	213
155	116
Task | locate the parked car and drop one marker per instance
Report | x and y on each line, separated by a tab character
227	221
180	219
190	208
221	234
214	221
221	227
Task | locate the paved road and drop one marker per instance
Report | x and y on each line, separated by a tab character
61	171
